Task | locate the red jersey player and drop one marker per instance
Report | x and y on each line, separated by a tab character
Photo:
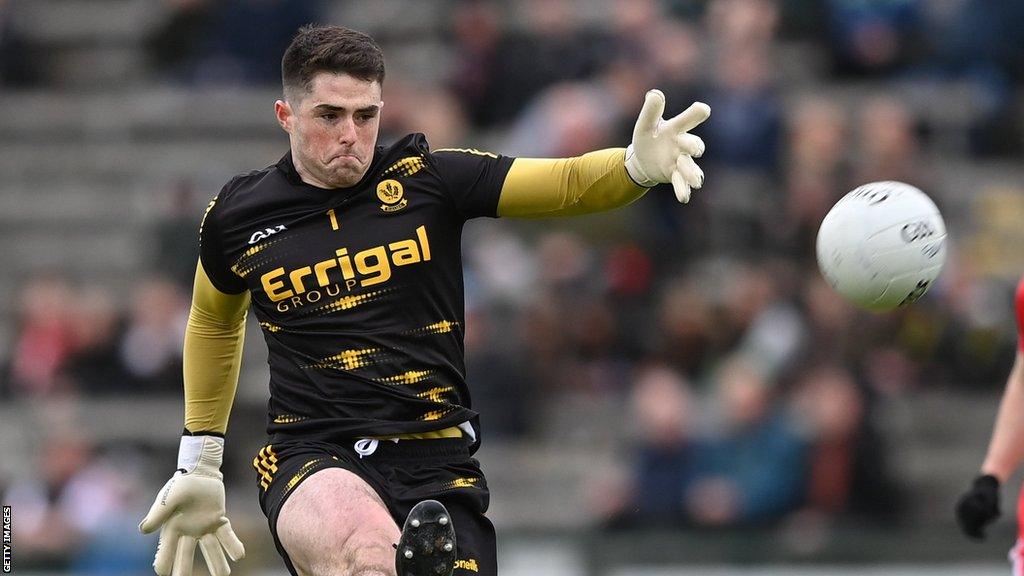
979	506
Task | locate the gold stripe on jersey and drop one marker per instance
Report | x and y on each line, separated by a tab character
349	359
270	327
473	151
460	483
435	394
407	378
442	327
288	419
207	213
246	268
247	263
258	248
405	167
435	414
265	464
351	301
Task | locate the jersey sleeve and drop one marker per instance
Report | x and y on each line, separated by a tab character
212	254
212	357
546	187
1018	302
473	179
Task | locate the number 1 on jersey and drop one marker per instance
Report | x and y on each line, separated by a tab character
334	219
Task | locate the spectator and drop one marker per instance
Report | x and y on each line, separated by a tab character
888	143
174	46
231	42
565	120
849	476
552	48
476	36
151	347
980	46
80	511
94	365
816	176
44	339
873	38
427	109
754	472
663	417
687	322
748	126
499	386
176	249
49	526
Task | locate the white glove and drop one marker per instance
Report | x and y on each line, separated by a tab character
663	151
190	508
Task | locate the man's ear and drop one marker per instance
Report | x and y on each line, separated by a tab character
285	115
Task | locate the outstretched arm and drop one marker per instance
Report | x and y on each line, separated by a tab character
190	509
662	151
542	187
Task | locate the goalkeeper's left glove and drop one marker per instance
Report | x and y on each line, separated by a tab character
663	150
190	510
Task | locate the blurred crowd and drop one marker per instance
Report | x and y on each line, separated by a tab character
747	389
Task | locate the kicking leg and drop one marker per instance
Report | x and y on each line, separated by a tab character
335	524
427	546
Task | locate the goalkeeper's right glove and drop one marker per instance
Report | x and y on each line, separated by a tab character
979	506
190	508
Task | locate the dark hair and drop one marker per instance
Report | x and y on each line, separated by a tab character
329	49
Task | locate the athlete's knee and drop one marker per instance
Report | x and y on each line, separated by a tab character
370	554
373	571
340	565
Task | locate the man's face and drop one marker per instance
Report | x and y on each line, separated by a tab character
333	128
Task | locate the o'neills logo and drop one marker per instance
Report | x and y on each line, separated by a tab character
364	268
391	193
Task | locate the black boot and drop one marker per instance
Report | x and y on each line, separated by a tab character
427	546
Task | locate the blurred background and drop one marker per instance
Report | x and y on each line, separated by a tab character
665	389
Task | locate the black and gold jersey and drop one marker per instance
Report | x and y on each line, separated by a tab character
358	291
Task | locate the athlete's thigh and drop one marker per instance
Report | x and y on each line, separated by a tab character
335	523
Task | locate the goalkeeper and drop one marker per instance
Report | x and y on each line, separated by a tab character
349	254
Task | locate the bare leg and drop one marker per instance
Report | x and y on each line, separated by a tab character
335	524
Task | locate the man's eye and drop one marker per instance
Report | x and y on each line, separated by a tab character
329	117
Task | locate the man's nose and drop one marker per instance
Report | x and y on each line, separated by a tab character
347	131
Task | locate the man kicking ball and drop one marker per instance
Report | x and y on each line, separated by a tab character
349	254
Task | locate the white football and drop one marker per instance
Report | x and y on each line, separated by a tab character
882	245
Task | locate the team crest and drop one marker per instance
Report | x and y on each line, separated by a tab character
391	193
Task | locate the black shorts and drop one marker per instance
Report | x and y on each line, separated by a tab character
402	473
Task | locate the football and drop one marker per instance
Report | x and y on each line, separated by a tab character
882	245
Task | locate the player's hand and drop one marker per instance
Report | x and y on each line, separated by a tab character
979	506
190	510
663	150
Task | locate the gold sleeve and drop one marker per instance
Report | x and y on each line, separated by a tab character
541	188
213	354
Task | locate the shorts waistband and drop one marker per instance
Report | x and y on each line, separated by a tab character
410	449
